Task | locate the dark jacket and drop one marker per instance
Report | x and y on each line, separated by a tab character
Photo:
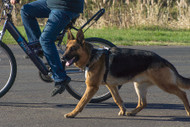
70	5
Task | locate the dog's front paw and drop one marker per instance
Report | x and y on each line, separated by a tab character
121	113
69	115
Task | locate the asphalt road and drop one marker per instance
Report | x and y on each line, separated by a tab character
29	104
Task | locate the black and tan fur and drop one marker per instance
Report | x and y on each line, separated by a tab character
144	68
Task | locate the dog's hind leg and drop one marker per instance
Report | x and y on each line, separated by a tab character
173	89
89	93
141	90
117	99
165	79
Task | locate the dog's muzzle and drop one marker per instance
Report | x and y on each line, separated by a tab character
69	61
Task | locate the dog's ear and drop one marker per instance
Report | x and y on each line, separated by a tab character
70	35
80	36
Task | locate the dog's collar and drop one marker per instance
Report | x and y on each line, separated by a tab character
95	54
92	55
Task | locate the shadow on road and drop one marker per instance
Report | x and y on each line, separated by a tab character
108	105
143	118
91	105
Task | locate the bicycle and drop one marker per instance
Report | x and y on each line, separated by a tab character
8	65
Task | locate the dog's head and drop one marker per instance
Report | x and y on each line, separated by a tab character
76	51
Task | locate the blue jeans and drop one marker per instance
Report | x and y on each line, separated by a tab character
57	20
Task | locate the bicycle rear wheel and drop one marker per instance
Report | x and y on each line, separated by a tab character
8	69
77	85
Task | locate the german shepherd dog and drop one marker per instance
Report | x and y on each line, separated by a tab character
144	68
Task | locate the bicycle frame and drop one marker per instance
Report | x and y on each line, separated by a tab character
8	25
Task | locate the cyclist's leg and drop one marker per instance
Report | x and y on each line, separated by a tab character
57	21
29	13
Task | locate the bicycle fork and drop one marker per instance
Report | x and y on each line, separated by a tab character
24	45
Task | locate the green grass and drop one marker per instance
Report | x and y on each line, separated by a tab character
8	39
142	36
133	36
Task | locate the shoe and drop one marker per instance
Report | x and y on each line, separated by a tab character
60	86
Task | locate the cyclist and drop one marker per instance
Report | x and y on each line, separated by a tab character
59	14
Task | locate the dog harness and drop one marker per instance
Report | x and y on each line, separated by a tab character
97	53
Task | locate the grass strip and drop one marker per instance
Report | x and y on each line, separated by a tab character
133	36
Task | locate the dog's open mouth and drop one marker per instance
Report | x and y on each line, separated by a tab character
71	61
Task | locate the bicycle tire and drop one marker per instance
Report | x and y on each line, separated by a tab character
5	53
74	91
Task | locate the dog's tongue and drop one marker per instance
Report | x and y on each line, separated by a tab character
68	63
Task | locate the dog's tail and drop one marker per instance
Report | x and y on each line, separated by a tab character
182	82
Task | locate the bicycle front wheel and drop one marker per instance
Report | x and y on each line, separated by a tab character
77	85
8	69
